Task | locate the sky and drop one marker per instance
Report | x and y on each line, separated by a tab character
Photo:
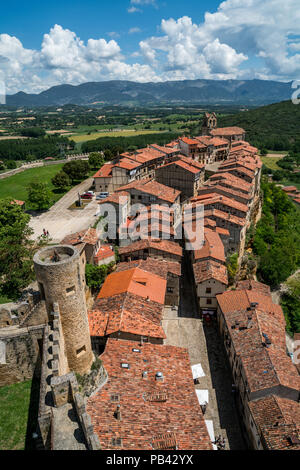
43	44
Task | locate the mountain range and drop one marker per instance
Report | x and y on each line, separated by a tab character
119	92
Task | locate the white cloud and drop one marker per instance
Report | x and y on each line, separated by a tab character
242	39
133	10
238	31
134	30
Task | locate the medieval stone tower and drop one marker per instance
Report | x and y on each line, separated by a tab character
61	280
209	123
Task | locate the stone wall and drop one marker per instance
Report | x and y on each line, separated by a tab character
21	352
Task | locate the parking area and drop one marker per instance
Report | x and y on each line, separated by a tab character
60	221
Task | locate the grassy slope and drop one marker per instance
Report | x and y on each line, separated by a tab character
15	186
279	119
14	407
271	162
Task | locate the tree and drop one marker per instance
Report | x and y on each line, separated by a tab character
77	170
232	267
61	180
39	194
96	275
11	165
30	158
15	249
96	160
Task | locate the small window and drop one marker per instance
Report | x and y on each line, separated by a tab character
115	398
125	365
208	301
208	290
80	351
116	441
70	290
169	290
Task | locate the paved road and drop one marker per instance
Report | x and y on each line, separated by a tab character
60	221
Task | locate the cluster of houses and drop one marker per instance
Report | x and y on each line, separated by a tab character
293	192
130	305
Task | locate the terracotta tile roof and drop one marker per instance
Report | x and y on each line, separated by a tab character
214	198
218	142
19	203
290	189
105	171
185	166
255	285
189	141
127	164
228	131
239	169
154	414
156	266
191	161
153	188
163	149
86	237
115	198
222	231
278	421
231	192
231	180
205	270
105	251
212	248
166	246
264	367
137	282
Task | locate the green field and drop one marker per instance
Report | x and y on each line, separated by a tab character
14	408
86	137
15	186
271	162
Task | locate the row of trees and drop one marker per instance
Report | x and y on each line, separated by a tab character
37	148
121	144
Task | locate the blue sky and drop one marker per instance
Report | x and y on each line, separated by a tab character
43	44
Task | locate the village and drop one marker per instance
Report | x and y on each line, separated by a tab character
169	354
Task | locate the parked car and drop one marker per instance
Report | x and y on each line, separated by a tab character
86	196
90	192
102	196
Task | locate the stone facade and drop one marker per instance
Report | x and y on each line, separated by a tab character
62	279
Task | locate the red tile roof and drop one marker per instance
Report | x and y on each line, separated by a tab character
214	198
88	236
153	188
189	141
105	171
278	421
116	198
105	251
154	414
230	131
264	367
166	246
137	282
210	269
213	247
160	267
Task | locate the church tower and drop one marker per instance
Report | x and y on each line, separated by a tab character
209	123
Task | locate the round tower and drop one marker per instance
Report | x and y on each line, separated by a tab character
60	275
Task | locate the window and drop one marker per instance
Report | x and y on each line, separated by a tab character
42	290
70	290
80	351
208	301
208	290
170	290
115	398
116	441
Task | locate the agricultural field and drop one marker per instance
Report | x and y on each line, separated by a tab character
14	409
124	133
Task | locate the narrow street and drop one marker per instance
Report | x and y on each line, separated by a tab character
185	329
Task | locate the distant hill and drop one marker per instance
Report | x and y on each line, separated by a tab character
246	92
275	127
